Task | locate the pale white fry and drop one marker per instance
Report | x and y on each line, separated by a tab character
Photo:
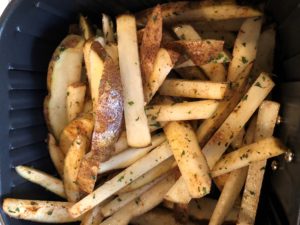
215	71
108	28
93	217
56	155
179	193
75	100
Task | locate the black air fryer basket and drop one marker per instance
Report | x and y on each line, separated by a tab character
30	30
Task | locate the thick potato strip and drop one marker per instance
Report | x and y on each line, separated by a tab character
43	179
56	155
183	111
188	155
185	11
193	89
38	211
75	100
85	27
215	72
138	133
93	217
261	150
128	157
179	193
142	204
245	47
64	69
266	121
124	178
108	28
71	168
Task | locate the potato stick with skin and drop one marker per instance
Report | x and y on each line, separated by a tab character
138	133
163	64
124	178
177	12
56	155
261	150
108	28
121	144
191	73
215	72
230	192
266	121
188	155
233	95
123	199
93	217
75	100
112	51
85	27
152	174
219	142
38	211
71	168
183	111
64	69
179	193
43	179
193	89
129	156
142	204
232	25
245	47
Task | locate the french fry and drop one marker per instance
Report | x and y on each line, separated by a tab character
138	134
75	100
85	27
179	193
177	12
83	125
187	153
123	199
151	175
71	168
93	217
38	211
108	28
193	89
142	204
217	145
121	144
56	155
128	157
150	45
238	140
183	111
245	47
266	121
215	72
191	73
261	150
88	106
124	178
249	136
163	64
219	25
43	179
186	32
230	192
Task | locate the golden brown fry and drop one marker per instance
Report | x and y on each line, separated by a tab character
75	100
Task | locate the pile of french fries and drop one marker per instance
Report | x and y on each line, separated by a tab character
145	117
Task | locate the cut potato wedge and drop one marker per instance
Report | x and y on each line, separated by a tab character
193	89
238	141
71	168
183	111
38	211
245	47
188	155
261	150
43	179
108	28
124	178
85	27
75	100
64	69
138	133
178	12
56	155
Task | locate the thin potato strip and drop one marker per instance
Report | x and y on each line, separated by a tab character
215	72
188	155
93	217
142	204
129	156
43	179
38	211
186	32
108	28
138	134
266	121
85	27
183	111
193	89
56	155
245	47
261	150
124	178
75	100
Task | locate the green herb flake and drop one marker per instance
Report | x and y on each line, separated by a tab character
50	212
244	44
245	98
121	178
244	60
62	48
94	196
137	200
11	211
204	190
252	192
17	209
182	153
137	118
119	199
258	84
189	112
130	103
